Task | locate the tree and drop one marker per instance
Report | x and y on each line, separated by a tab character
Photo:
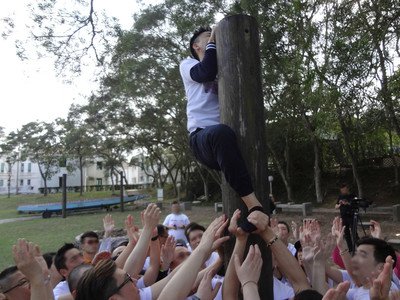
41	143
77	141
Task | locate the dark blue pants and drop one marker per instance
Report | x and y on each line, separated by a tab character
216	147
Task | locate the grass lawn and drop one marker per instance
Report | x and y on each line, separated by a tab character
8	206
51	233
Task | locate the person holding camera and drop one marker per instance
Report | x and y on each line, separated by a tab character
346	213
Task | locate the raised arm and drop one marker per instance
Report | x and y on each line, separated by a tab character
324	250
26	256
286	261
207	69
249	273
108	225
151	274
133	235
136	259
231	285
180	285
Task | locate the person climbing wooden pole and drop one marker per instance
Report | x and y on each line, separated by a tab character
242	109
217	144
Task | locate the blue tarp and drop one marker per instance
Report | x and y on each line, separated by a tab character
77	205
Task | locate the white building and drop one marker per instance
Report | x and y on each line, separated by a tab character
25	178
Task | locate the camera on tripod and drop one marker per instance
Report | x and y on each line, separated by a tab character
357	203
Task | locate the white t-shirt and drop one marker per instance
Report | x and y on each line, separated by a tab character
145	294
358	293
291	248
212	259
140	283
202	108
361	293
179	221
282	291
61	289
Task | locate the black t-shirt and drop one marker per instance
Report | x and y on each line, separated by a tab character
345	209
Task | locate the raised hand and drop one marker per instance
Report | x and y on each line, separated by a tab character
132	231
205	290
380	287
261	221
108	224
338	293
295	230
324	248
234	228
338	232
211	238
249	271
375	229
167	252
24	254
151	216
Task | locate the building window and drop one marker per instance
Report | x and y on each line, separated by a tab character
21	182
2	167
141	178
99	165
28	182
22	167
29	167
99	181
1	182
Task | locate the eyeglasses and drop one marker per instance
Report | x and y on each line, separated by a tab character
22	282
127	279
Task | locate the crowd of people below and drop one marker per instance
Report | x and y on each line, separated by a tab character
180	259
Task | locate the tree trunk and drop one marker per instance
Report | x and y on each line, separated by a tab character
242	108
317	159
288	161
351	154
394	159
44	180
317	172
112	182
81	171
281	172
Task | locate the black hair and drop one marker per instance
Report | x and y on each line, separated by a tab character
49	258
191	227
286	224
88	234
308	295
76	274
196	34
4	275
59	259
175	202
98	282
161	229
381	249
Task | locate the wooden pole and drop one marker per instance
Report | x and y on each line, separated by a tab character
64	196
121	191
242	109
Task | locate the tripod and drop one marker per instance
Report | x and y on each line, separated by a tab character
354	235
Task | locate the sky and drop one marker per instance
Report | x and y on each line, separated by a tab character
30	89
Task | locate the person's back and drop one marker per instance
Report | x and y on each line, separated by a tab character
202	98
